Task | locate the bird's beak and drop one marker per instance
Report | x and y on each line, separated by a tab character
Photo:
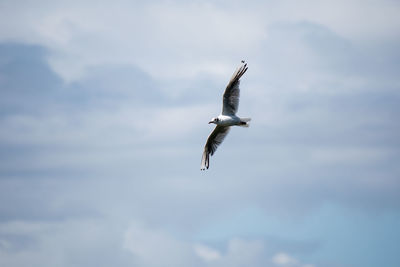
210	122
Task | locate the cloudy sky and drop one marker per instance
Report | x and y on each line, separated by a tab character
103	118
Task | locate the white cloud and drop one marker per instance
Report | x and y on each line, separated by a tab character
355	20
99	242
80	35
157	248
207	253
284	259
154	247
61	243
197	37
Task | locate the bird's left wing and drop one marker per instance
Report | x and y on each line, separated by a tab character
230	102
213	141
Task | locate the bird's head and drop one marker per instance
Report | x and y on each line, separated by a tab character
213	120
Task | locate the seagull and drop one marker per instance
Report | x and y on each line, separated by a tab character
227	118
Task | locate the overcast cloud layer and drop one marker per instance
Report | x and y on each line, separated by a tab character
103	118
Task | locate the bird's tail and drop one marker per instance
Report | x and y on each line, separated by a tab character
244	122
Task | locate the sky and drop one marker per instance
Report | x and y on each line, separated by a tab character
104	114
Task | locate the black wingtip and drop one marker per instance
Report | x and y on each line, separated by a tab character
244	66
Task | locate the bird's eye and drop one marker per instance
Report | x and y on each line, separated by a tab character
216	119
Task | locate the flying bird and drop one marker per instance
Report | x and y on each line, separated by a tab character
227	118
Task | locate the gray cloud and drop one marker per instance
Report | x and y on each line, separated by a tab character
116	138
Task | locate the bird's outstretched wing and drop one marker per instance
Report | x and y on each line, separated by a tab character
213	141
230	103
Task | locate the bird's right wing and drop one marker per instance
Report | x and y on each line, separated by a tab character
213	141
230	103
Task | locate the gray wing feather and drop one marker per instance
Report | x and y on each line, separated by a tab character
230	103
214	140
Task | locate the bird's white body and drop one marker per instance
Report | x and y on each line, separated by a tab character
230	120
224	120
227	117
